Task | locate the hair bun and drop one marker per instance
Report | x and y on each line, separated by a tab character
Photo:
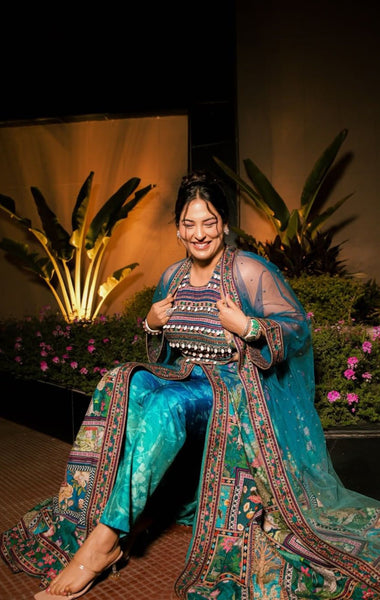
199	176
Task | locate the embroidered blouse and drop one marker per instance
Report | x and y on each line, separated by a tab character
194	328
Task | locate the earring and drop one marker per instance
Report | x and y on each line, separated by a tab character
226	230
178	234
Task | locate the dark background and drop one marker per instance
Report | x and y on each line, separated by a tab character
72	61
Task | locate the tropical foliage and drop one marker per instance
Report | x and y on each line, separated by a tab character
300	244
71	264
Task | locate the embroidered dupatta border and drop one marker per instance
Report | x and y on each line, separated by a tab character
201	547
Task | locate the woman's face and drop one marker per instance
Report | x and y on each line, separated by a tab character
201	230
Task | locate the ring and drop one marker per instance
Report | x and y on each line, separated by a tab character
169	312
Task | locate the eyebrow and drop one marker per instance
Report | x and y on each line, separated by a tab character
212	218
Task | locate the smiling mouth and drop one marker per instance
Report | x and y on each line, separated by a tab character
201	245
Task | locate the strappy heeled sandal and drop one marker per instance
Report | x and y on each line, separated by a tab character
45	595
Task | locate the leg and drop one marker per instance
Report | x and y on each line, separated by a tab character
160	416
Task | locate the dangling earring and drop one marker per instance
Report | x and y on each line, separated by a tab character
226	230
178	234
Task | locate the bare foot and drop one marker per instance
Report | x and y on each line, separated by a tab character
100	550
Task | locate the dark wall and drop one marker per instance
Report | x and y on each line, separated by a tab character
123	61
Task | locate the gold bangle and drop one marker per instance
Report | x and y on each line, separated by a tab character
246	328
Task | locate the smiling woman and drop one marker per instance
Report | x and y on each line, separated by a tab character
230	383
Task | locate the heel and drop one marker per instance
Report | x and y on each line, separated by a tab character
115	573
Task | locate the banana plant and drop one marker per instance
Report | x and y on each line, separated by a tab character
301	223
71	264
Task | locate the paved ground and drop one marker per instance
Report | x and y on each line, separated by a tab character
31	466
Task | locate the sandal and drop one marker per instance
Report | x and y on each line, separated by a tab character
45	595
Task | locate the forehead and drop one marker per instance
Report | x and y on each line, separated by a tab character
199	209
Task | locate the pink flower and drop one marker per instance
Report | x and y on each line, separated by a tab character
44	365
367	347
333	396
56	360
367	376
91	348
74	365
309	315
106	340
351	398
18	359
349	374
228	544
68	348
83	371
352	361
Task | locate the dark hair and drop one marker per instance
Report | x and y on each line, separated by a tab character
205	186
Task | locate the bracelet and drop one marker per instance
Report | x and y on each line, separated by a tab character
147	329
246	328
252	331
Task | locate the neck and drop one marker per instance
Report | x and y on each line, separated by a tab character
201	270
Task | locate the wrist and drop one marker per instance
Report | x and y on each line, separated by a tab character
246	328
252	330
147	329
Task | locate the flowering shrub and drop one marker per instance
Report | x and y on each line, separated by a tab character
346	357
75	355
347	369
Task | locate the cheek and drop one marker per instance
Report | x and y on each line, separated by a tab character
183	233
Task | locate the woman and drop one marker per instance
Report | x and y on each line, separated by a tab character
231	367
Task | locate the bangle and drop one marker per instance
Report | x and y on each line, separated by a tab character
254	330
147	329
246	328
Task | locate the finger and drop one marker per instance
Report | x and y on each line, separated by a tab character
229	302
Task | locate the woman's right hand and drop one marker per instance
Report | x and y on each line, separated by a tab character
157	316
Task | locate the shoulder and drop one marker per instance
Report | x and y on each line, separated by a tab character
251	265
170	272
244	258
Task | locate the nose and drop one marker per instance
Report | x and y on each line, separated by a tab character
199	233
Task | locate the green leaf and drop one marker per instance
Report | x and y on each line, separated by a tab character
31	261
8	205
315	179
126	209
57	236
268	194
318	221
78	218
116	278
244	187
106	217
293	227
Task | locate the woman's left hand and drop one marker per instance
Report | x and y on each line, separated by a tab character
231	316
